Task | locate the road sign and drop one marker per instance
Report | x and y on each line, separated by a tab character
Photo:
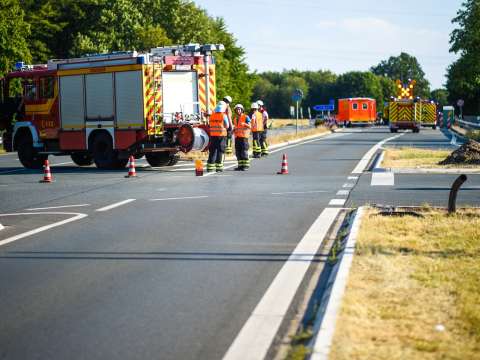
297	95
460	102
329	107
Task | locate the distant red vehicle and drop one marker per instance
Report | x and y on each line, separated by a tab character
357	111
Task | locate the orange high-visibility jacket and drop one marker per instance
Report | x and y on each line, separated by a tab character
242	129
217	125
257	123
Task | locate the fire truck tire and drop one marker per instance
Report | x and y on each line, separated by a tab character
173	159
29	156
82	159
104	155
120	163
159	158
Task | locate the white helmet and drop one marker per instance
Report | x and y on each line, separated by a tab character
254	106
221	106
239	106
260	102
227	99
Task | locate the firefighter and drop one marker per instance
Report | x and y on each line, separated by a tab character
257	128
228	149
241	130
263	136
218	123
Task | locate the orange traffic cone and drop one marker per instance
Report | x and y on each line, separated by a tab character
47	175
284	169
198	168
131	168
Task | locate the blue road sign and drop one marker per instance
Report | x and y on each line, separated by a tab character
329	107
297	95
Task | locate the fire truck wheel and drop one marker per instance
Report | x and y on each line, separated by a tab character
173	159
103	154
29	156
82	159
120	163
158	158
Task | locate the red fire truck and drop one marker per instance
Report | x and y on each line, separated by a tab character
105	107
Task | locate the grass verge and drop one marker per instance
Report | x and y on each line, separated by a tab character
413	290
408	157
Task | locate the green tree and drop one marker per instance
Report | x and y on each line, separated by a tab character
359	84
404	67
440	96
463	76
14	31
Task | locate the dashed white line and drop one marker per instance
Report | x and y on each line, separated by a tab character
109	207
343	192
348	185
299	192
181	198
353	178
382	179
58	207
258	332
77	216
337	202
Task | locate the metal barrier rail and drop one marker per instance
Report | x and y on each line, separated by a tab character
468	125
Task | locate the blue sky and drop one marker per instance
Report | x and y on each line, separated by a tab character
340	36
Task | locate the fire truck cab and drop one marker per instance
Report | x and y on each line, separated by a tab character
104	108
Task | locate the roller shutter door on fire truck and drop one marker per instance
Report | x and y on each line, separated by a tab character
72	110
99	90
180	93
129	99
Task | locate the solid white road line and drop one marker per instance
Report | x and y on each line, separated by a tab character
62	163
337	202
343	192
58	207
109	207
258	332
382	179
363	163
181	198
325	330
299	192
77	216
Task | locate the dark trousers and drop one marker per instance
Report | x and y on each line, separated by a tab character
257	150
264	143
241	151
215	152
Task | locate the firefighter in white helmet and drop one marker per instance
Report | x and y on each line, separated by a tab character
218	125
263	136
257	128
241	130
228	148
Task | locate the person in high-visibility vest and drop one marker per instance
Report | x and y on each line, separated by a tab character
228	148
218	125
263	136
257	128
241	130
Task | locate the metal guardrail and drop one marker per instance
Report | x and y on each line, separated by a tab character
469	124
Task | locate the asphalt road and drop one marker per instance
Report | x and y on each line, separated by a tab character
166	265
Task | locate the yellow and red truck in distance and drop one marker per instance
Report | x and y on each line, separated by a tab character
429	114
405	111
106	107
357	111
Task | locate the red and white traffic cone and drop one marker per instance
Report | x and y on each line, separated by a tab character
131	168
284	169
47	175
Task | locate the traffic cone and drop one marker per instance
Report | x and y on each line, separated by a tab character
198	168
284	169
47	175
131	168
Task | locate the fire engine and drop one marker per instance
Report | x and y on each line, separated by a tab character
429	114
103	108
405	111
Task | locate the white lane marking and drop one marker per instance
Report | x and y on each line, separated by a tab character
353	178
382	179
325	329
181	198
77	216
306	142
363	163
109	207
260	329
348	185
2	227
343	192
62	163
11	171
300	192
58	207
337	202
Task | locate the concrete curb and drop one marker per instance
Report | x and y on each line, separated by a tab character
324	328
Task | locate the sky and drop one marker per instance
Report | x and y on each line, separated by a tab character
342	35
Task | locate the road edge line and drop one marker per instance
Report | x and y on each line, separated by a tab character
258	332
324	329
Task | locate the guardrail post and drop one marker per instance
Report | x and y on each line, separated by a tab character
452	199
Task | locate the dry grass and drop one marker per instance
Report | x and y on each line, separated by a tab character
272	139
408	157
278	123
409	276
